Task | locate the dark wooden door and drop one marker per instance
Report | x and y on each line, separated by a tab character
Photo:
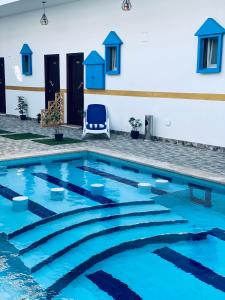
52	77
2	86
75	88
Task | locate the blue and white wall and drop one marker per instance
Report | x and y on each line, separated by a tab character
159	54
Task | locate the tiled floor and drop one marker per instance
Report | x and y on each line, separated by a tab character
201	159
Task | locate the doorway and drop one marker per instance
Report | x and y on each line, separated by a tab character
2	86
75	88
52	77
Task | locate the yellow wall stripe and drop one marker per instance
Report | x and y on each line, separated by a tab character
124	93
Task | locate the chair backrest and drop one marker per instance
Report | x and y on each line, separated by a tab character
96	114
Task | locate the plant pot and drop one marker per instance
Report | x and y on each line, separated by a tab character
23	117
59	137
134	134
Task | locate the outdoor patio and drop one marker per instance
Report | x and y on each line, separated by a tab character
176	154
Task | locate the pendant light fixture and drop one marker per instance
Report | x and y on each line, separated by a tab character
44	19
126	5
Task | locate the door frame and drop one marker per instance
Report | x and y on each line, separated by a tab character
68	55
46	56
4	105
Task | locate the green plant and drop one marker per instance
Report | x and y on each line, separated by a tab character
135	123
22	106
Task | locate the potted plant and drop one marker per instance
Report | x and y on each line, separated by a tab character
53	119
22	107
136	125
39	118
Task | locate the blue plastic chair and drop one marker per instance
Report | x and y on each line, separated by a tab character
96	120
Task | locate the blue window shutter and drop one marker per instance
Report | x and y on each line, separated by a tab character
112	53
26	55
209	31
95	71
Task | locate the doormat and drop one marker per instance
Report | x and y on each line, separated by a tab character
5	131
23	136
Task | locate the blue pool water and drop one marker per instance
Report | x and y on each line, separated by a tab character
123	244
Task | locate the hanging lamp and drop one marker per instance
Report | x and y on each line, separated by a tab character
126	5
44	19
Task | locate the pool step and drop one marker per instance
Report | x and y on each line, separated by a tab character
28	235
69	266
45	253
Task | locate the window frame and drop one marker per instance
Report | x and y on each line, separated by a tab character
108	59
26	64
200	63
26	60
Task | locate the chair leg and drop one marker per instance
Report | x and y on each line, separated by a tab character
83	135
108	135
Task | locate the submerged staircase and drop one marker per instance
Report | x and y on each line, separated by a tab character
58	249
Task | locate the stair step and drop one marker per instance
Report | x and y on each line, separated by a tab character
67	267
35	233
62	243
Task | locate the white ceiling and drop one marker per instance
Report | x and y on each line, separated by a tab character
12	7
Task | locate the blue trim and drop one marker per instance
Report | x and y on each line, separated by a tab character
26	55
108	60
65	280
210	29
73	188
112	40
193	267
33	207
94	58
200	63
112	286
95	71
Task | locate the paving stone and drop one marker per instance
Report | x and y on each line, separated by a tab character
201	159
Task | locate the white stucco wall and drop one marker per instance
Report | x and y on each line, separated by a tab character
159	54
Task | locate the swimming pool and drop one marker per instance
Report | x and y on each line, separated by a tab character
123	243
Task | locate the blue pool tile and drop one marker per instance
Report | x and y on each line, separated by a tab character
73	188
110	176
112	286
103	161
218	233
65	160
27	165
66	279
193	267
130	169
120	179
33	207
158	176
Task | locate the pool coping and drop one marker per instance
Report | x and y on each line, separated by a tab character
192	172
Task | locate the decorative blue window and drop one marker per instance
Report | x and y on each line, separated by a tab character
26	54
112	53
210	45
95	71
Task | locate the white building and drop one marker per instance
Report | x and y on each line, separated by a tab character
158	62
